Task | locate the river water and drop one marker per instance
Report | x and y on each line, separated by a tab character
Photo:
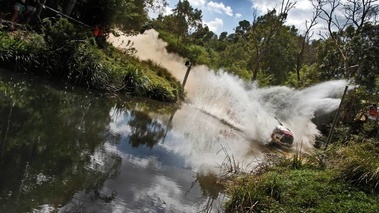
66	149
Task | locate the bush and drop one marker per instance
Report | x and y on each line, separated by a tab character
65	52
361	165
135	82
22	52
86	67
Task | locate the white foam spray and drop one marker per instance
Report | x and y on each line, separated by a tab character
246	106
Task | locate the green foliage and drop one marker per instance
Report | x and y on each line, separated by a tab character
171	41
86	67
265	79
281	54
151	80
340	179
304	190
309	75
197	54
135	82
361	165
329	61
160	92
184	19
127	15
65	52
21	52
239	71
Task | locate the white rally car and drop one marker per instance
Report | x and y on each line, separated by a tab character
282	136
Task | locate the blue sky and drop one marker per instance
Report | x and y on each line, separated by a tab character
224	15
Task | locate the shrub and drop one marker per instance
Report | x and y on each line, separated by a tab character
86	67
135	83
62	51
22	52
361	165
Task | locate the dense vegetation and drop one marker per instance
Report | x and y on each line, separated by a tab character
340	179
344	179
61	51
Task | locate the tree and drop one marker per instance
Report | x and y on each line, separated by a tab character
264	29
353	36
281	55
305	41
223	36
347	31
202	36
182	22
243	27
127	15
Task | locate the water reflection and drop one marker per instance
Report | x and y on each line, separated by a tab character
66	150
48	138
140	128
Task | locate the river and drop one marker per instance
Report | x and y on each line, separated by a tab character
66	149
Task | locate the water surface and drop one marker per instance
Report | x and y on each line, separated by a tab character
66	149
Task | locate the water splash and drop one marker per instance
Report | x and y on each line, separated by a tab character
254	110
248	108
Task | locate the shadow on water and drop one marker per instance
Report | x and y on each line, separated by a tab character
65	149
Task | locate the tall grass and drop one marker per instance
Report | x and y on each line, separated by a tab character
18	54
360	164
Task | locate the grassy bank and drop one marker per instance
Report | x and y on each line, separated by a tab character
343	178
61	51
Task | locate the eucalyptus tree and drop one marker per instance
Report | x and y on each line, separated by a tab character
266	45
354	45
233	52
223	36
262	32
222	43
234	58
243	27
281	55
202	36
347	31
183	21
305	41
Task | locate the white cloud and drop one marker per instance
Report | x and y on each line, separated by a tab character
197	3
215	24
238	15
167	11
264	5
297	16
219	8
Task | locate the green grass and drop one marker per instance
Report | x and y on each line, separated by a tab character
304	190
341	179
361	165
